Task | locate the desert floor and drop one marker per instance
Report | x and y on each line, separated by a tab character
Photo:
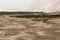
12	28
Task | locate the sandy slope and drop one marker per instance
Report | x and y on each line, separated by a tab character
25	29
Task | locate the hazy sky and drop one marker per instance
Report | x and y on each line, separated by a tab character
30	5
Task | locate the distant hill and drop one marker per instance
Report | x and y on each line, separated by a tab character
30	13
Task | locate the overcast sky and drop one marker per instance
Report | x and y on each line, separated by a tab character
30	5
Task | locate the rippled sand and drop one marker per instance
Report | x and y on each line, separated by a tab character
24	29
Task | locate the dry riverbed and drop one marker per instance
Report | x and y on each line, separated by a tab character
12	28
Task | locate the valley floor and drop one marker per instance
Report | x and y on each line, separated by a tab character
24	29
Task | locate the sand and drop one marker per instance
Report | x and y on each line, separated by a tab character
12	28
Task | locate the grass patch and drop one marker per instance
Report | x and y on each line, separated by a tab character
40	19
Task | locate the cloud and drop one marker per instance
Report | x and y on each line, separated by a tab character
30	5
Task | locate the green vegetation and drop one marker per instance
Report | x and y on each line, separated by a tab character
9	13
45	20
40	19
30	14
36	16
